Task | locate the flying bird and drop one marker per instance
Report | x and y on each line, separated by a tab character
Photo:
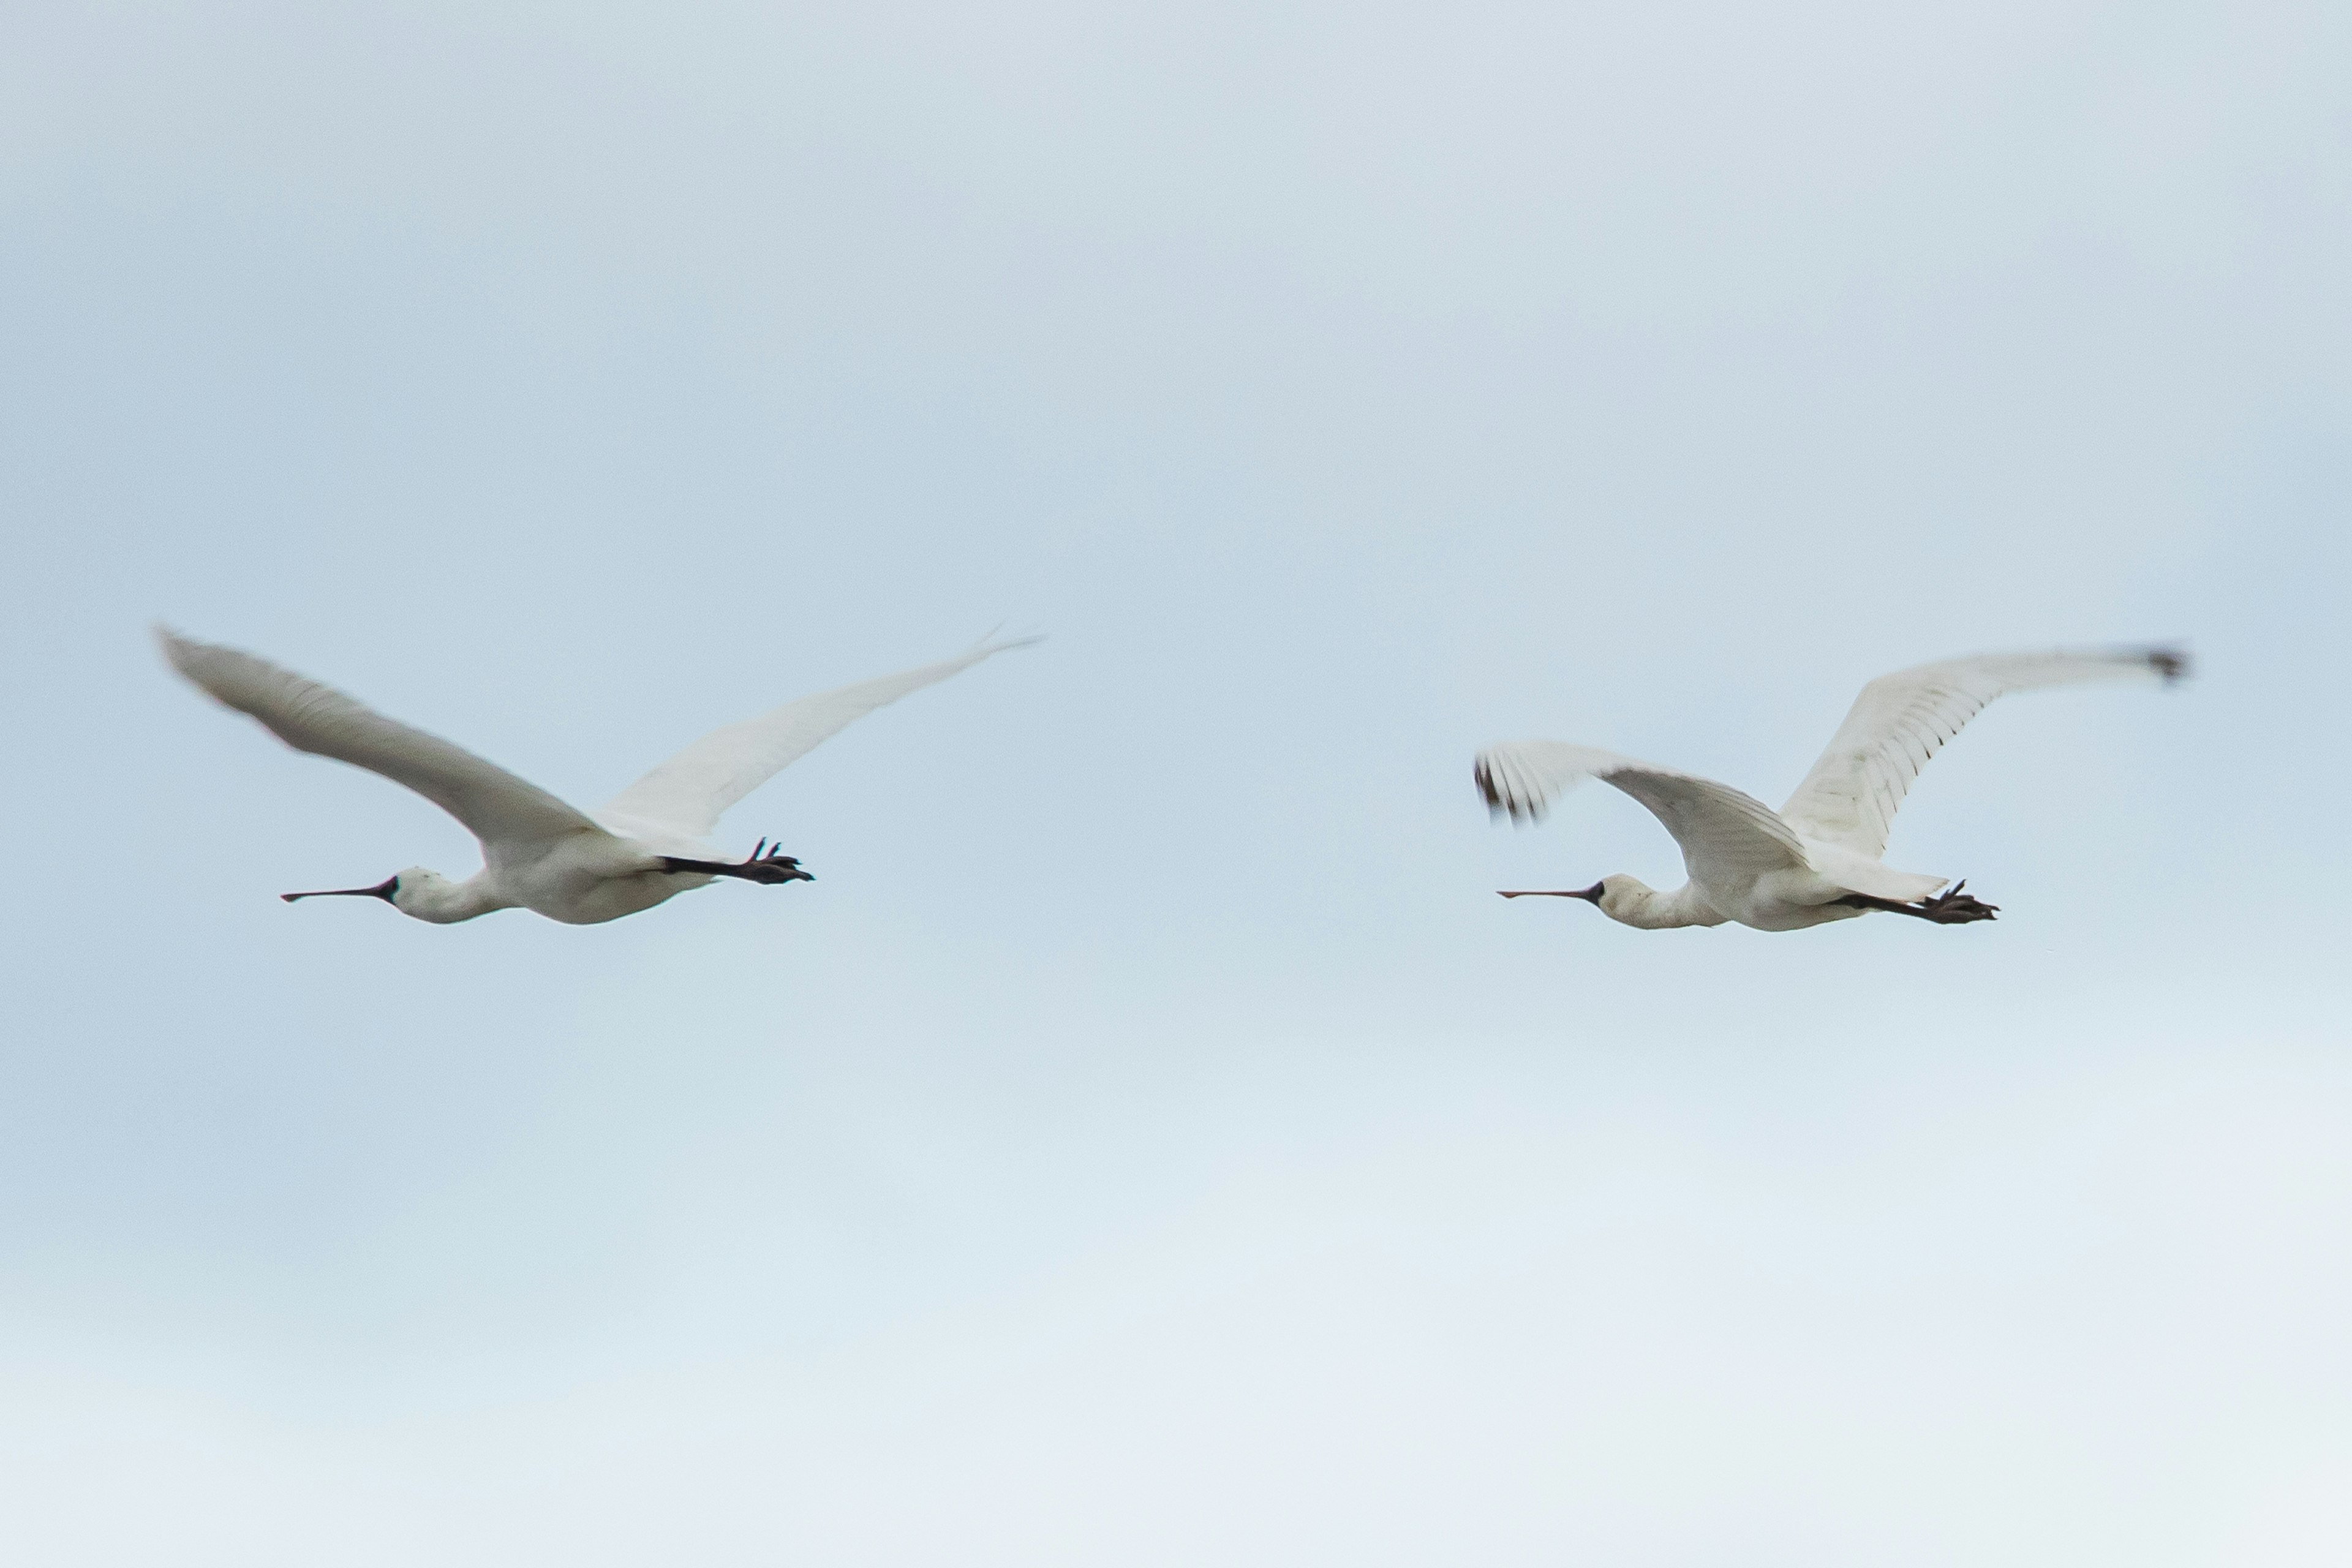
646	845
1819	857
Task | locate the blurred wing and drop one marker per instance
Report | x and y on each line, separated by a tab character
691	791
1902	719
309	717
1724	835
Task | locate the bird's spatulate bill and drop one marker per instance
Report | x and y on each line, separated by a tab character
383	889
1590	895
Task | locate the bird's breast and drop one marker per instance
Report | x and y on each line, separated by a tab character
589	878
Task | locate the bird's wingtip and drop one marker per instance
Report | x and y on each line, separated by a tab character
991	643
176	648
1502	797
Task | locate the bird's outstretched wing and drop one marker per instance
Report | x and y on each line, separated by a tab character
494	804
691	791
1902	719
1724	834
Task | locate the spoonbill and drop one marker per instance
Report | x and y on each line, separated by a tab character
646	845
1819	857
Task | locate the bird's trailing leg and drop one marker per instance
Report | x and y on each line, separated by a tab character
766	866
1950	909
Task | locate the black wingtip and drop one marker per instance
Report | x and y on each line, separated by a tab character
1485	776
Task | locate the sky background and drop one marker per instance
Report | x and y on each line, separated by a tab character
1150	1141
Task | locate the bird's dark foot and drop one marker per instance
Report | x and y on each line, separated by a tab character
772	866
766	866
1954	908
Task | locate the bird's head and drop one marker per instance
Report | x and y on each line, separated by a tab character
1629	900
1612	893
415	891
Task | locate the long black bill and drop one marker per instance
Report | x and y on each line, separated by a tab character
383	889
1590	895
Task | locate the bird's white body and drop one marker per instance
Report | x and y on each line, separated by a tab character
1819	857
645	845
584	879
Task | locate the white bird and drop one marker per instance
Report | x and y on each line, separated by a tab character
1818	858
647	843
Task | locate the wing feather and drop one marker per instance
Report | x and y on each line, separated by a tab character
1902	719
311	717
691	792
1725	833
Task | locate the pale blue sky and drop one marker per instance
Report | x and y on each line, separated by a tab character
1150	1141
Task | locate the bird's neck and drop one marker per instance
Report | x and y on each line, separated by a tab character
443	902
1634	903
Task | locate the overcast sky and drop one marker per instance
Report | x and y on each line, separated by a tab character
1150	1141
